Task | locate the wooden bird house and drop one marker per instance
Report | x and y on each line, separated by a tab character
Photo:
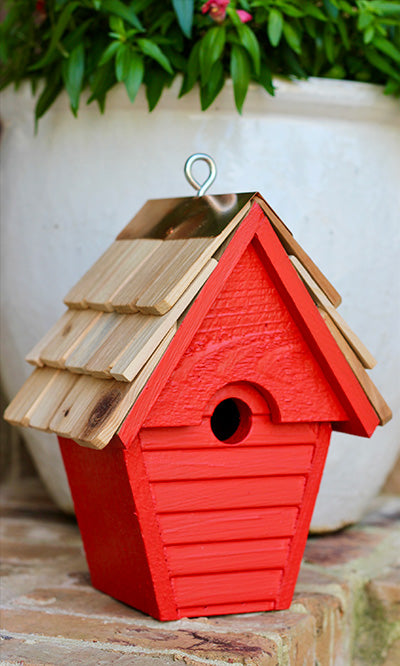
194	382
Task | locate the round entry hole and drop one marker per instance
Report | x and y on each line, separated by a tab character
231	421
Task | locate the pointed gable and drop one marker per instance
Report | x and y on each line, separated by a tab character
248	335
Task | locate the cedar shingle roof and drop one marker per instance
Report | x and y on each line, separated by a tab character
123	313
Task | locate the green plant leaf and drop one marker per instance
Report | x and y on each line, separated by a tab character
331	9
156	80
292	64
387	48
385	8
250	43
315	12
211	48
214	85
336	72
49	94
122	61
380	63
233	15
117	26
364	20
329	44
134	76
56	34
109	52
184	10
290	10
392	88
265	79
74	38
310	25
240	73
153	51
292	37
192	72
73	72
342	27
275	26
122	11
369	34
102	80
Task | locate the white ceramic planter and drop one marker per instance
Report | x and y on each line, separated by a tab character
324	153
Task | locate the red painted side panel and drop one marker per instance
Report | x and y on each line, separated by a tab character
303	524
109	525
114	528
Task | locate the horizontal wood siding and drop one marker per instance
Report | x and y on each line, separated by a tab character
209	494
227	525
263	433
227	556
227	462
227	587
226	609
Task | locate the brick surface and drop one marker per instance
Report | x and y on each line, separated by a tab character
345	610
32	651
386	589
340	548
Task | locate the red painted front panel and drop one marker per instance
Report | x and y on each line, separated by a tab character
227	513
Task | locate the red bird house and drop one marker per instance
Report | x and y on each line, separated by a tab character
194	381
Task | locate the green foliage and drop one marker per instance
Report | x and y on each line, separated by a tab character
91	45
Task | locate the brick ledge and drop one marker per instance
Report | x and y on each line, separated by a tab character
345	611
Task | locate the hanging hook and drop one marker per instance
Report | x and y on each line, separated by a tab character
201	189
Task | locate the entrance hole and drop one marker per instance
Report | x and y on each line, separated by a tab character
231	421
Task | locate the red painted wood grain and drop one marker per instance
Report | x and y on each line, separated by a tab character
109	524
226	609
263	433
118	526
229	525
300	537
248	335
209	494
227	556
228	461
361	417
227	588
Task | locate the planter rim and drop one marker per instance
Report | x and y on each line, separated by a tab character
332	98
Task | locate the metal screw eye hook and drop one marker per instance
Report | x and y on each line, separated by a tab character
201	189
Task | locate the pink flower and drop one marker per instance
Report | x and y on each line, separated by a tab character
216	9
244	16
